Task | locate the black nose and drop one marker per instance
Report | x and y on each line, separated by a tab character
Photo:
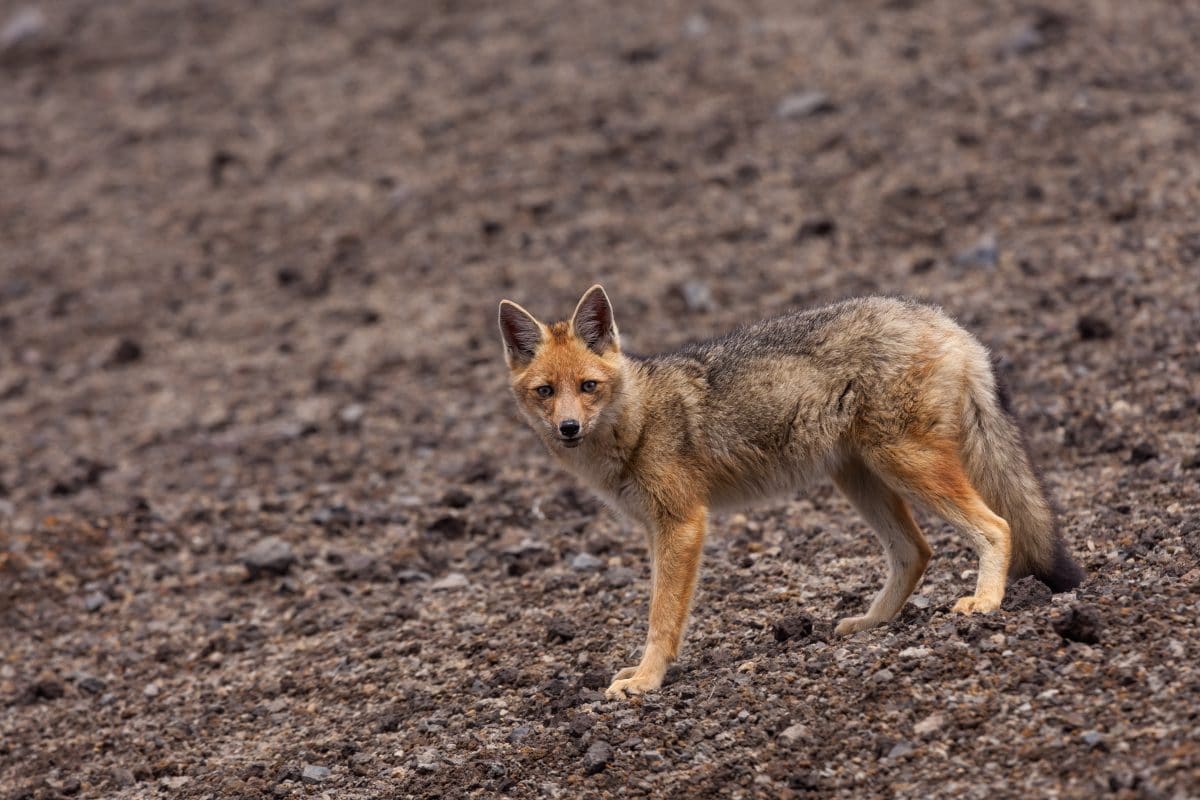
569	428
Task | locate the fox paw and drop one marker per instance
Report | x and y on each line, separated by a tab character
975	605
851	625
626	684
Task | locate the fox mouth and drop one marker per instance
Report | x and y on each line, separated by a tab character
574	441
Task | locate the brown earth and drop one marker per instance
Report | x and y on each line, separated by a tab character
250	256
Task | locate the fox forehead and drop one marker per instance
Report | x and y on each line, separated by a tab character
563	357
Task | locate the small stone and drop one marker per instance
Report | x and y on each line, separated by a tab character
883	676
352	414
94	601
797	626
804	104
127	351
1028	592
598	756
314	773
1092	739
697	297
457	498
901	749
46	689
618	577
1142	452
175	781
269	556
695	26
919	601
151	690
519	734
983	253
796	732
560	630
1092	327
915	652
454	580
929	725
428	760
586	562
1080	623
24	26
90	684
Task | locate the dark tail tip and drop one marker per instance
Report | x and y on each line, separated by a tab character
1064	573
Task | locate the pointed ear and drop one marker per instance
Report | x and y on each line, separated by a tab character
522	334
593	321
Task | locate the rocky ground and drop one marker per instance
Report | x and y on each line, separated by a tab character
269	524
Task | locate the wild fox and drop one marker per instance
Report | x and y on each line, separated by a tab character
891	398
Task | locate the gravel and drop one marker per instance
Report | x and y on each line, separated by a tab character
248	281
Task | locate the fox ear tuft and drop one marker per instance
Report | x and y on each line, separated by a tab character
522	334
593	321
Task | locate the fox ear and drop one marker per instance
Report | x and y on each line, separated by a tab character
522	333
593	321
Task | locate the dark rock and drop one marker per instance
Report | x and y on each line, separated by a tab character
269	556
90	684
127	351
580	724
1191	462
1079	623
449	527
815	229
598	756
1092	327
594	679
457	498
1028	592
46	689
560	630
337	519
1143	452
797	626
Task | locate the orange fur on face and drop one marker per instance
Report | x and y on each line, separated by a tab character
563	362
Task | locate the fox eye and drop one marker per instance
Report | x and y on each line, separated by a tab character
587	387
545	391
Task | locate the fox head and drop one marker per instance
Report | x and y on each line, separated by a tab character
567	376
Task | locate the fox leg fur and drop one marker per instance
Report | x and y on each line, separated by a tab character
906	549
933	473
676	548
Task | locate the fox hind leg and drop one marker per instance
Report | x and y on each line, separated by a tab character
906	549
933	474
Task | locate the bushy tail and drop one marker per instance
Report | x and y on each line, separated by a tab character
998	465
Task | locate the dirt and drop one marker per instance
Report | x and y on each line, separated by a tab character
269	523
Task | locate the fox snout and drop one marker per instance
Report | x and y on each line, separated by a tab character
569	428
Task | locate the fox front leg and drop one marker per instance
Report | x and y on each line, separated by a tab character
676	547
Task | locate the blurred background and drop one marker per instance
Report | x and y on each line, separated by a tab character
250	256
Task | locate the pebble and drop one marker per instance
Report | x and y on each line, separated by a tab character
915	652
794	733
94	601
428	760
23	26
796	626
901	749
269	556
1092	739
983	253
519	734
929	725
618	577
454	580
314	773
803	104
586	562
697	296
152	690
1091	327
1026	593
598	756
1080	623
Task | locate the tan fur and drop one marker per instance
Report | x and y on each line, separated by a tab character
892	399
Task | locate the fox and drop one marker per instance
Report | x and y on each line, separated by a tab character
890	398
